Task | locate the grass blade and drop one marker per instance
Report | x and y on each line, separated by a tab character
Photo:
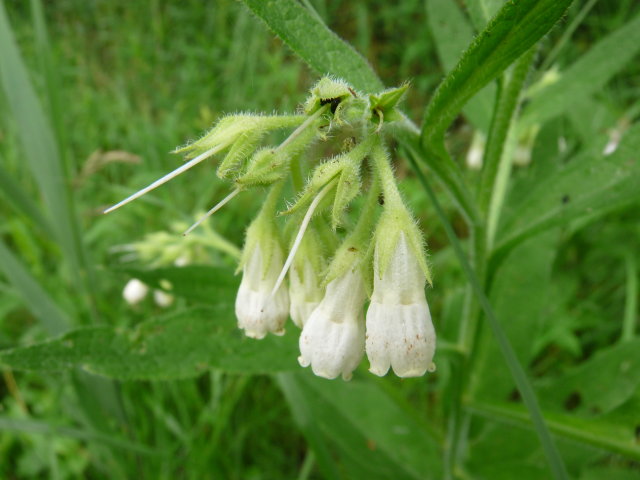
40	147
15	196
587	75
37	299
522	382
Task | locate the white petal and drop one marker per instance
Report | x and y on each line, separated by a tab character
400	333
305	293
332	340
403	280
400	336
257	310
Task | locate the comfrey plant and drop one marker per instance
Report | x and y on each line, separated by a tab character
331	268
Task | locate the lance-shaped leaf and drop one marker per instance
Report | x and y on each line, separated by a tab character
181	345
516	27
322	49
588	185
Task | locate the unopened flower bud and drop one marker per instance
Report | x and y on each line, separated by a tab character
135	291
162	298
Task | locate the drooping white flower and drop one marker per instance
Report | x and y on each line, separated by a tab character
257	310
400	333
135	291
332	340
305	291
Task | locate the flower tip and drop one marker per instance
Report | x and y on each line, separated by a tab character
411	373
431	368
380	372
254	334
303	361
347	376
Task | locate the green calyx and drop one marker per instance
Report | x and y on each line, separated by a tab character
395	218
328	91
344	171
241	127
263	231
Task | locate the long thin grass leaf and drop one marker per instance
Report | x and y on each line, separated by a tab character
522	382
34	296
43	428
15	196
40	147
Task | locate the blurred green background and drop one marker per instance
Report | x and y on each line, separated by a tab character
122	84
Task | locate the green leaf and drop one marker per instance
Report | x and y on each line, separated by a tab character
520	294
515	29
322	49
481	11
45	428
452	34
39	144
34	296
210	285
614	432
517	372
585	186
180	345
379	438
15	195
587	75
599	385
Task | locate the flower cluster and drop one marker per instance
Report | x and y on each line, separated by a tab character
320	268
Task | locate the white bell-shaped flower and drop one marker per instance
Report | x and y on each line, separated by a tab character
400	333
332	340
305	292
257	310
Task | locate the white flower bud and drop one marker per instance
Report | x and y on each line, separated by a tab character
162	298
400	333
134	291
257	310
332	340
304	291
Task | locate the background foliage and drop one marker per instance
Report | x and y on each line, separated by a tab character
94	95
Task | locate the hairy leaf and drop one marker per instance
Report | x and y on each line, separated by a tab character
516	28
322	49
177	346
